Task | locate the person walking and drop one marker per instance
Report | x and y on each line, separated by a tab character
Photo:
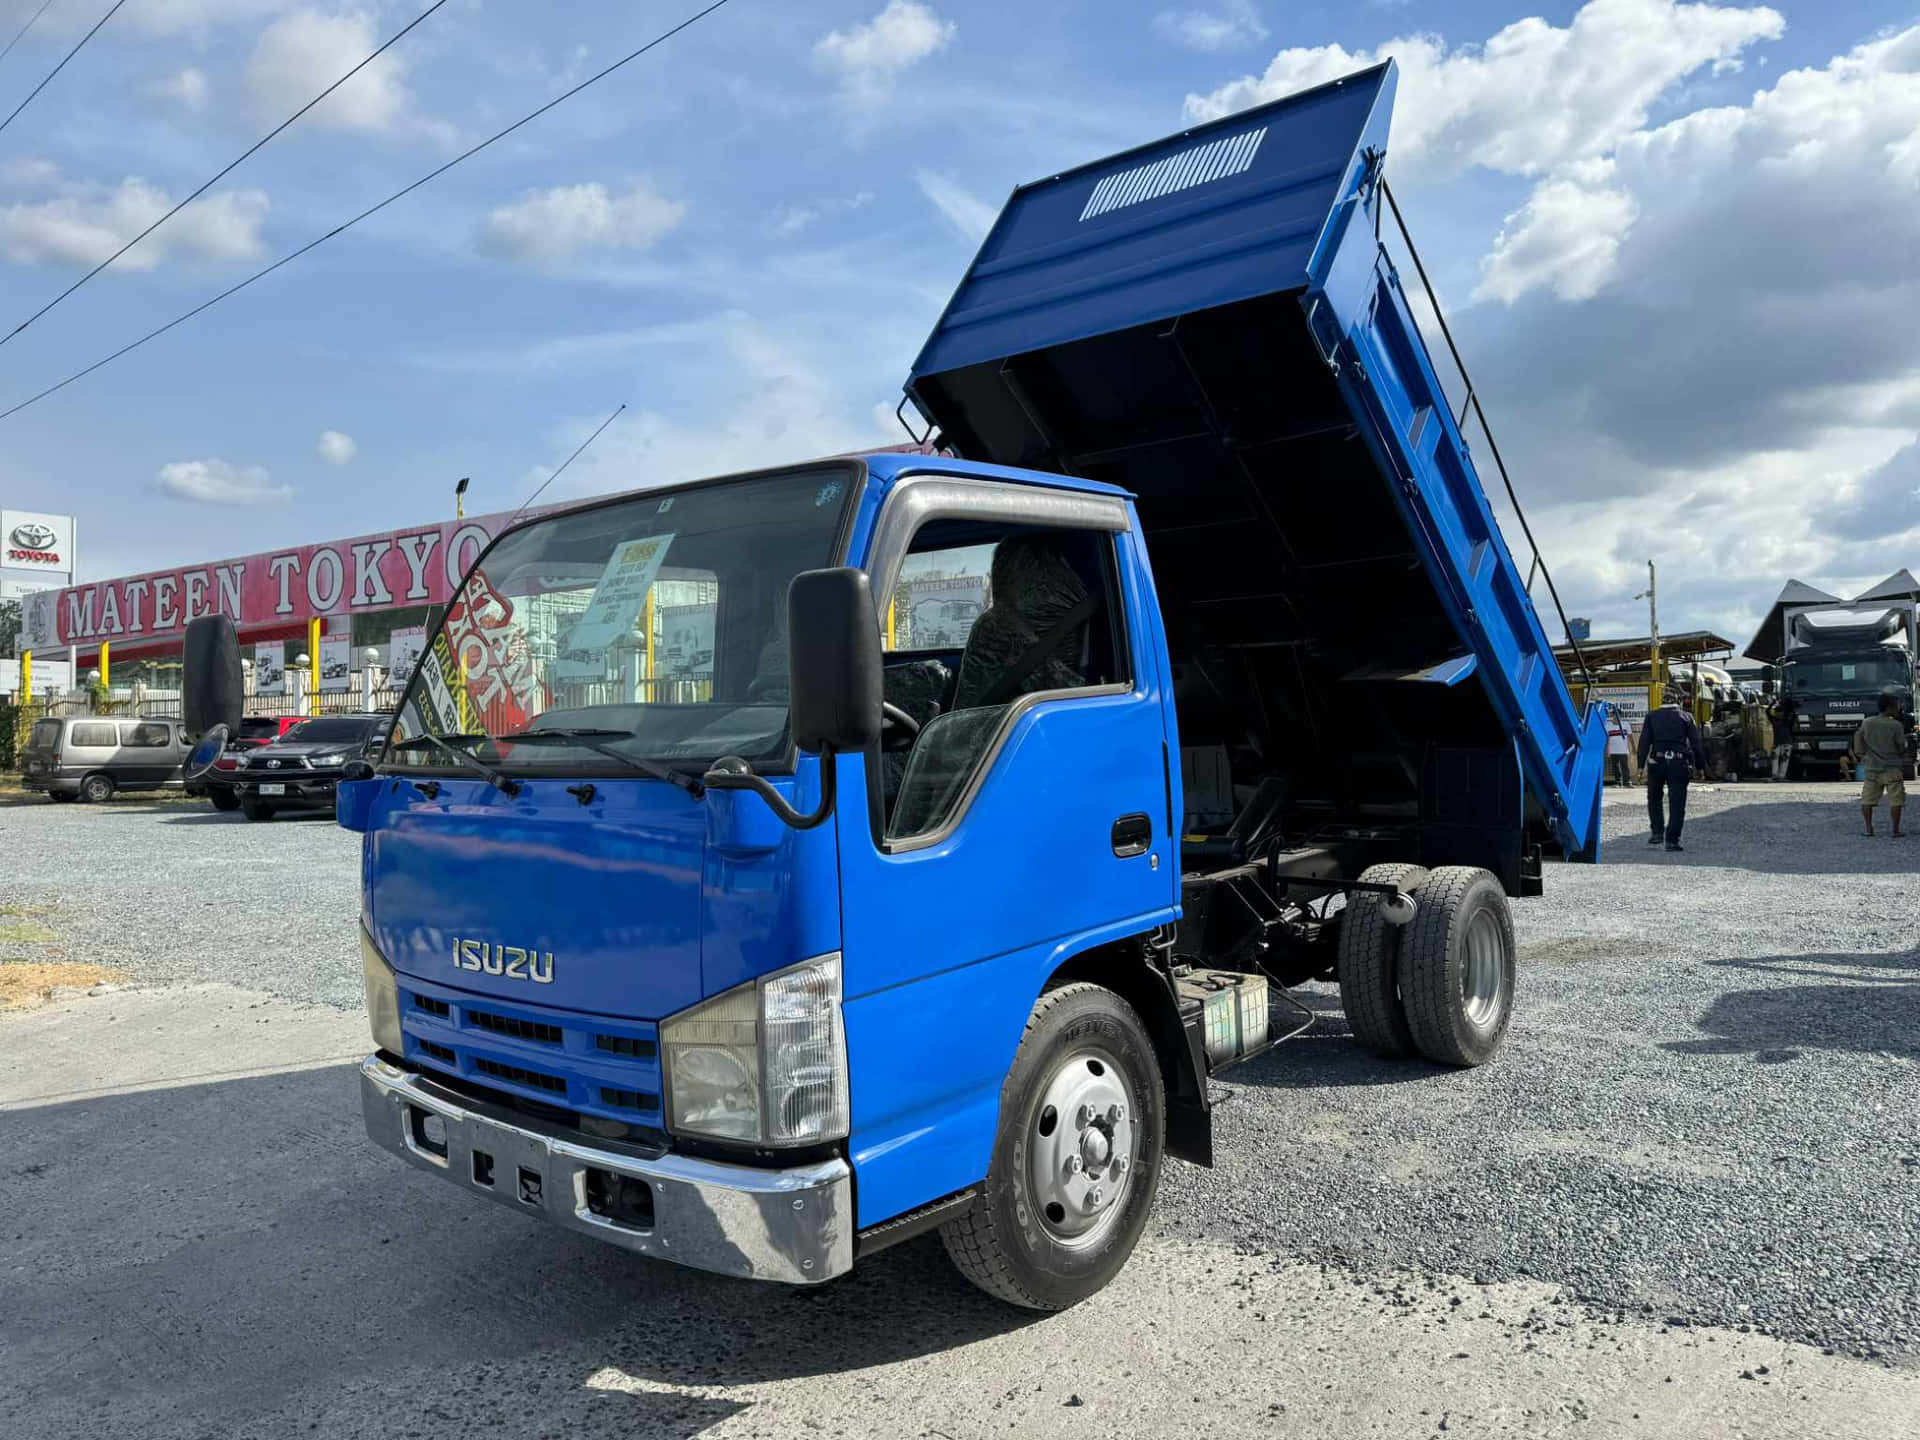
1618	764
1880	746
1781	715
1670	751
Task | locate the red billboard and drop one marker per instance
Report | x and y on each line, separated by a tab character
277	588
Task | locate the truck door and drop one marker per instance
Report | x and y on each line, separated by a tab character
1027	819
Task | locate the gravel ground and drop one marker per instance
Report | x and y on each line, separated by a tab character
1705	1114
1708	1108
174	892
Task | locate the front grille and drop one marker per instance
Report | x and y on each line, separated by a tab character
624	1045
439	1052
518	1075
515	1029
629	1099
432	1006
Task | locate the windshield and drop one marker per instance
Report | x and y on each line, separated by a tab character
657	623
1848	675
330	730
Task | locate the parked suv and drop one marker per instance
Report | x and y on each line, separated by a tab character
90	757
254	731
299	770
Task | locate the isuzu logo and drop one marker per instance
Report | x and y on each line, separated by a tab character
508	961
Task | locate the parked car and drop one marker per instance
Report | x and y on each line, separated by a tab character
300	769
254	731
91	757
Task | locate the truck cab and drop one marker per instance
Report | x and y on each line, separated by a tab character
1019	780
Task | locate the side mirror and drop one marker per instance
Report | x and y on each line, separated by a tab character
834	685
356	770
212	687
833	661
206	750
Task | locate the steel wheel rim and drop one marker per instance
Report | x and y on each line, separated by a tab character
1082	1148
1483	979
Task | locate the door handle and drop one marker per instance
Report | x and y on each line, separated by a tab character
1132	835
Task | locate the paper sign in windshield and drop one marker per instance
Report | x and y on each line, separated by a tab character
614	610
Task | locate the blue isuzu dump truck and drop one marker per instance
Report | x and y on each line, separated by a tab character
874	926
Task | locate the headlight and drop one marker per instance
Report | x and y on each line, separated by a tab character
764	1063
383	996
329	759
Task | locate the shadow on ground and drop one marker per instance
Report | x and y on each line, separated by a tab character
1873	1006
1800	837
202	1257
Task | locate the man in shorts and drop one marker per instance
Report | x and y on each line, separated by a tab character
1880	745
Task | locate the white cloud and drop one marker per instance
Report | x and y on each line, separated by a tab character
336	448
549	226
1534	95
305	51
150	17
22	171
787	221
84	224
1567	236
186	88
219	482
867	59
1230	25
963	210
1707	352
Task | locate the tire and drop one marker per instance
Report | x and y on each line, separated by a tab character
97	789
1084	1048
61	797
223	799
255	811
1367	964
1457	967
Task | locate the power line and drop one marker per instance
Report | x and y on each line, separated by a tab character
566	462
318	241
231	167
22	33
63	60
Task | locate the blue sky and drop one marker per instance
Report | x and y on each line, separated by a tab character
1684	320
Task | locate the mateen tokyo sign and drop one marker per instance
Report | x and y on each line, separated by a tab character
421	566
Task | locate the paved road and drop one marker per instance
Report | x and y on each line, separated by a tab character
1707	1104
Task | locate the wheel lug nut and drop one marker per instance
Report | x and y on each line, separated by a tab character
1094	1198
1120	1166
1073	1165
1115	1114
1083	1117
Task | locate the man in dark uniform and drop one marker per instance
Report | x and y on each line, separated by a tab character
1670	751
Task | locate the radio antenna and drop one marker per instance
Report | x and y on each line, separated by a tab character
564	463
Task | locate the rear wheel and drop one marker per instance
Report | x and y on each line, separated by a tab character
1367	963
255	810
96	789
1457	966
1076	1159
223	799
62	797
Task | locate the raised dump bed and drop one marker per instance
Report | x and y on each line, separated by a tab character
1211	322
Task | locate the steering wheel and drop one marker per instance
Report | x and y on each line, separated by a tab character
898	729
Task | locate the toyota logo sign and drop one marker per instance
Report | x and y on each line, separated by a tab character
37	541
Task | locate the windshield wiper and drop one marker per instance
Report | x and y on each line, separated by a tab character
587	739
506	784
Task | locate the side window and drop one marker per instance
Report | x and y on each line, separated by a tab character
982	618
96	736
145	736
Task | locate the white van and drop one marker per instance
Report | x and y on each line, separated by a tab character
90	757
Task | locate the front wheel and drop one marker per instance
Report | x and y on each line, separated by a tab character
96	789
223	799
256	811
1076	1159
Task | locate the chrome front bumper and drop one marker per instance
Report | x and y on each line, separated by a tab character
794	1226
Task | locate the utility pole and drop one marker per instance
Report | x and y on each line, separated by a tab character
1651	596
